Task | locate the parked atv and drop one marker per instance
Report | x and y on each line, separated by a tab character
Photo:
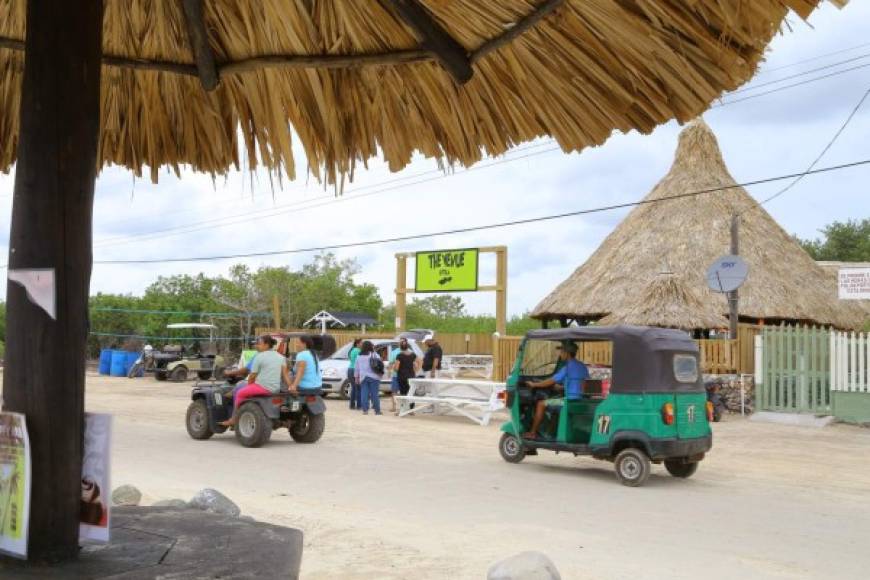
301	414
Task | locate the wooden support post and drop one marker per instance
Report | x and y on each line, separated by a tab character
51	228
501	266
197	35
401	291
276	312
733	297
432	36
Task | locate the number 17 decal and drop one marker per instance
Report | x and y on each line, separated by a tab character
604	424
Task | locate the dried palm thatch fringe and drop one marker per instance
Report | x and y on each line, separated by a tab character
832	270
669	302
584	70
689	233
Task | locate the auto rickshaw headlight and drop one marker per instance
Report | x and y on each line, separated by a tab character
668	413
709	412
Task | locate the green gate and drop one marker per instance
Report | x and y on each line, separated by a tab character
795	370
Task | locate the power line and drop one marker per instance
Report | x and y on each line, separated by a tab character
753	86
824	151
786	87
484	227
812	59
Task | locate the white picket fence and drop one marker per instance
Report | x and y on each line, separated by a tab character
850	362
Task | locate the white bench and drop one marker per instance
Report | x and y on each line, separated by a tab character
477	364
476	400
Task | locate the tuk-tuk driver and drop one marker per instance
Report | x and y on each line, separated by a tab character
568	378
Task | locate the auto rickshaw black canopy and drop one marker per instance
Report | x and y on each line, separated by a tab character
643	357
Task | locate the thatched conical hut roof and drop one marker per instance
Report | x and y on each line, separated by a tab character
667	301
784	282
359	79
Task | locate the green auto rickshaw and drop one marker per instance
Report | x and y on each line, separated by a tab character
655	410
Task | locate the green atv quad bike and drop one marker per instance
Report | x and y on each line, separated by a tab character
656	410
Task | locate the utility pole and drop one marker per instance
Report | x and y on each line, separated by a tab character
733	298
276	312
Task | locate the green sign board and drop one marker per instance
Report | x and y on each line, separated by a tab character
447	271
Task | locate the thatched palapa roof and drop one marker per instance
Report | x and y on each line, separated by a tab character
857	309
191	82
688	234
669	302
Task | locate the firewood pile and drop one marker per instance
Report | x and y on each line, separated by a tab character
729	390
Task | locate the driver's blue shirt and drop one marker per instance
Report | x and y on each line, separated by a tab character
571	377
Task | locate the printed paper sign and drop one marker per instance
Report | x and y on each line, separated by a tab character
447	271
96	485
854	284
39	284
14	484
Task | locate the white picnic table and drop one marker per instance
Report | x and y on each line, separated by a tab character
476	400
480	365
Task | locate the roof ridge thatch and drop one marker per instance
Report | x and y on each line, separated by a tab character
784	282
577	74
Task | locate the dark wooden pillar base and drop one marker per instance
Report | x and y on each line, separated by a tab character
51	228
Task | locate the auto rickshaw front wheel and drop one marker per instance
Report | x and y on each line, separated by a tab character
632	467
679	468
511	448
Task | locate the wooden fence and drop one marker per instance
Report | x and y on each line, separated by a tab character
850	362
796	370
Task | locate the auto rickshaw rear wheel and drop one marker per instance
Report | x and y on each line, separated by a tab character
679	468
632	467
197	420
511	448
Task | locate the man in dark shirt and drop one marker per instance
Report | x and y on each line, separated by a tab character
433	356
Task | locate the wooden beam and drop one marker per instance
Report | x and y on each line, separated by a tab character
449	53
52	211
516	30
197	35
325	61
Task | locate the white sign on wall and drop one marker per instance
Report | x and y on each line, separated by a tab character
854	284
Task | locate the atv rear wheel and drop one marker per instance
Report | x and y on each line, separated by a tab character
309	428
253	429
178	374
632	467
679	468
197	420
203	375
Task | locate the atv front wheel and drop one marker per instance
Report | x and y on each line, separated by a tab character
632	467
253	429
681	469
160	376
511	448
178	374
309	428
197	420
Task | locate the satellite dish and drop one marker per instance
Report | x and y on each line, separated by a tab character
727	273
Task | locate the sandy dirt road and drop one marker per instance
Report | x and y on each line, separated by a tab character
429	497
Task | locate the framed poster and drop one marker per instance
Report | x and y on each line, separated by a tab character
94	512
15	480
447	271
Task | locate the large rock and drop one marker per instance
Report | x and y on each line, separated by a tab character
524	566
213	501
126	495
176	503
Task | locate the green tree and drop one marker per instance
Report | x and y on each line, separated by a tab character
841	242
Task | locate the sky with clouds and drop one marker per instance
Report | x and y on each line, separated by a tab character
775	134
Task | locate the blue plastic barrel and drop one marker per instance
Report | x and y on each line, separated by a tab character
105	361
119	363
132	357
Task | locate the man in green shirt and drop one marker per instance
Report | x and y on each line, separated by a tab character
355	393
